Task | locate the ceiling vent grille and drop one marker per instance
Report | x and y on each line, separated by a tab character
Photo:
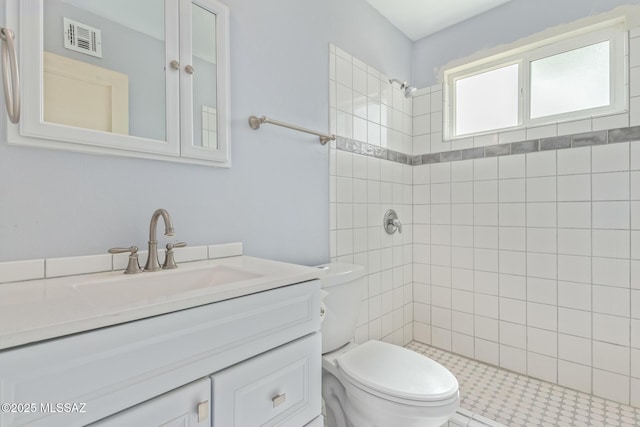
82	38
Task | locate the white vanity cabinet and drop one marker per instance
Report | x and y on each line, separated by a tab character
252	360
188	406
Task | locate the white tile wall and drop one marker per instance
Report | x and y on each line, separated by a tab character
557	229
365	107
529	261
538	284
363	188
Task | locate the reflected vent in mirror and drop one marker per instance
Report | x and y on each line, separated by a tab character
82	38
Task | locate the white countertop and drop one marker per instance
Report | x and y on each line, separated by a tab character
37	310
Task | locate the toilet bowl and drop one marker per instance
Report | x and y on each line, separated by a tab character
375	384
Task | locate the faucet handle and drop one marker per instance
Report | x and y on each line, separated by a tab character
132	249
133	266
391	223
170	246
169	259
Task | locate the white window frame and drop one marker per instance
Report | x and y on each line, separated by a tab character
612	31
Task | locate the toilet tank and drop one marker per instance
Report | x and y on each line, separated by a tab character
344	284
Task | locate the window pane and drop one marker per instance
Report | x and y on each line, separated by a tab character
570	81
487	101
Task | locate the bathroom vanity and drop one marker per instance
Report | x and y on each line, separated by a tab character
228	342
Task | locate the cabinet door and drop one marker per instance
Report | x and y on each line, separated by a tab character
278	388
204	80
115	58
184	407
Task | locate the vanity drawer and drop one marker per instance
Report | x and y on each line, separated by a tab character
279	388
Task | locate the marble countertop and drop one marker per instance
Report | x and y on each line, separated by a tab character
37	310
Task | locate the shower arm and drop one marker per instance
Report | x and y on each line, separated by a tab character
408	90
400	82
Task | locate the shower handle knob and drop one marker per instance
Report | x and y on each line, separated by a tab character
391	223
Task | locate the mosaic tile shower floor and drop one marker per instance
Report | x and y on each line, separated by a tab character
512	399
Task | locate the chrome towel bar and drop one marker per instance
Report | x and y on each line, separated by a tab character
255	123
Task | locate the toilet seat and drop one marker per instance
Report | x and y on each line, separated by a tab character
396	374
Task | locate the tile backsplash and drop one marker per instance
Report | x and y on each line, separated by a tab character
17	271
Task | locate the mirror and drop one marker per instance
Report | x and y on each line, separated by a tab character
103	66
125	77
204	77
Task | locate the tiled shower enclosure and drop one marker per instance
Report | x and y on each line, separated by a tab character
520	249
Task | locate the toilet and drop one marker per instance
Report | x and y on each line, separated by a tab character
375	384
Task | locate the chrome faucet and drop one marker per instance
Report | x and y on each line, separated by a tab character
152	259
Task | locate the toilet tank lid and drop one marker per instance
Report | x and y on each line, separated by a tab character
337	273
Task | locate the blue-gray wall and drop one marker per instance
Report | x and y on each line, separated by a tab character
504	24
274	198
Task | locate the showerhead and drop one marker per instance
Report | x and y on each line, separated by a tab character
409	91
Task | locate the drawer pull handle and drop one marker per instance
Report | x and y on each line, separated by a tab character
279	399
203	411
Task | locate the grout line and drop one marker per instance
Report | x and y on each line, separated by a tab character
526	264
473	252
498	275
557	280
450	254
592	385
629	272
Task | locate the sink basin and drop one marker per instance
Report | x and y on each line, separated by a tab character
145	287
47	308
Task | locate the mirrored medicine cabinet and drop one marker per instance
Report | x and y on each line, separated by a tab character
144	78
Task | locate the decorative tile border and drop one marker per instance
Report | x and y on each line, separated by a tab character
346	144
611	136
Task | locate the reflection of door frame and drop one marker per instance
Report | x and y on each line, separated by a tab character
77	71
